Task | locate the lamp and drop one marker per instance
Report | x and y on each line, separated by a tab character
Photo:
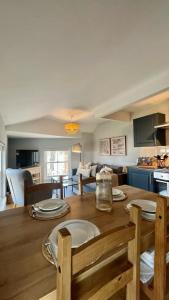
72	128
77	148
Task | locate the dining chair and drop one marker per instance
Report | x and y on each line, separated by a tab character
101	267
159	288
84	181
88	180
38	192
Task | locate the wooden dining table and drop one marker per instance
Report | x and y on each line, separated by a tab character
24	272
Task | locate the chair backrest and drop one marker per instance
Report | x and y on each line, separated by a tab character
15	179
161	248
98	269
88	180
42	191
84	181
158	290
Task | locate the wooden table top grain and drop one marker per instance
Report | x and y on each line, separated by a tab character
24	272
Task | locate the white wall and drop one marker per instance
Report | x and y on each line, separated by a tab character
3	137
118	128
50	144
115	128
3	140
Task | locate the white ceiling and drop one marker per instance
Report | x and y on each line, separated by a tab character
151	102
57	55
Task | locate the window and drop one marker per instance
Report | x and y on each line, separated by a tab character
57	163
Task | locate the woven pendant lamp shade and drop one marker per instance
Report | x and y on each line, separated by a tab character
72	128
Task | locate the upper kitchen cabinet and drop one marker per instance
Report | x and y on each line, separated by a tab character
145	135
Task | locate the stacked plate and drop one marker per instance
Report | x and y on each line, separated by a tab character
148	208
81	232
49	208
118	195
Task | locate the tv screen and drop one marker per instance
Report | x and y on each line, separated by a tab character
27	158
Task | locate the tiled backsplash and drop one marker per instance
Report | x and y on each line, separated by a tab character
149	152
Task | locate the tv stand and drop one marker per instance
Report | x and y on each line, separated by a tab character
36	173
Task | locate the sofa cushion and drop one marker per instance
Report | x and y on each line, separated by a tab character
84	169
93	170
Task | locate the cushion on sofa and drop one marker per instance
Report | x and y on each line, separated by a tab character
84	169
93	170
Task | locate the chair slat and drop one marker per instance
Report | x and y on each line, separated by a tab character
94	249
148	290
88	180
96	279
43	186
114	285
148	241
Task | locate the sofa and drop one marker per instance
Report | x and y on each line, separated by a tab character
91	187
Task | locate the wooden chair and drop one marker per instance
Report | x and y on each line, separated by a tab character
88	180
39	192
84	181
98	269
159	288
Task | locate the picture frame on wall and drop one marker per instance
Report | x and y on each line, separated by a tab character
118	146
104	146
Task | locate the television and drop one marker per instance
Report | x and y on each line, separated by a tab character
27	158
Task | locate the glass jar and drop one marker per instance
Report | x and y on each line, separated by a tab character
104	191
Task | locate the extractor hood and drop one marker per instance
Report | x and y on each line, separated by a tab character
164	125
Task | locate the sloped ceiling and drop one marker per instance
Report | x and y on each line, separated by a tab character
95	56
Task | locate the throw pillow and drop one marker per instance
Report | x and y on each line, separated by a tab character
84	169
86	172
93	170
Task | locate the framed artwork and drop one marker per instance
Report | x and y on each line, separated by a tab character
118	145
104	146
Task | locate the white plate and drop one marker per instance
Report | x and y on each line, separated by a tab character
147	206
148	216
49	204
116	192
81	231
51	213
119	198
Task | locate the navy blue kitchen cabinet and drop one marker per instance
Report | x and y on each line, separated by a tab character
141	178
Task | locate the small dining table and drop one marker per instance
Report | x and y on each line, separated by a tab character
24	272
